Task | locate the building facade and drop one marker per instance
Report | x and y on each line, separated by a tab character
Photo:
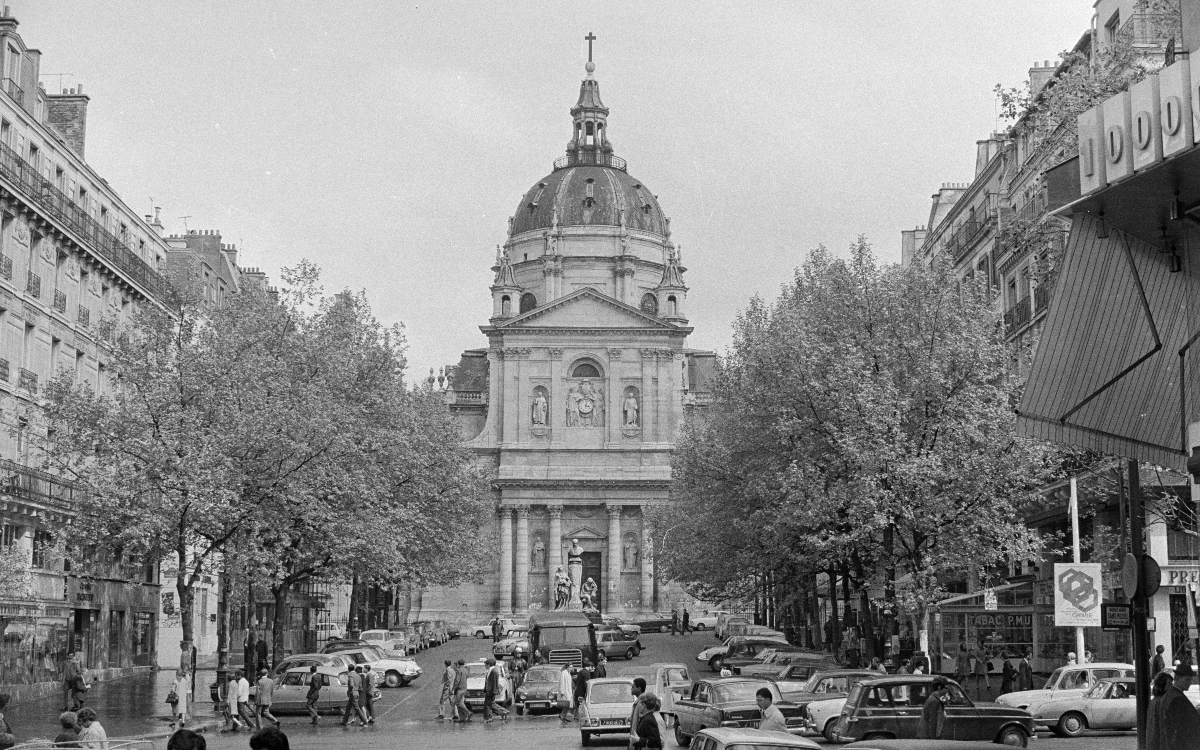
75	262
577	399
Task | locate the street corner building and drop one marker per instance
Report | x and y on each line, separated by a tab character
578	399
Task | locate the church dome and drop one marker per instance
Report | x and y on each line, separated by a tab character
576	194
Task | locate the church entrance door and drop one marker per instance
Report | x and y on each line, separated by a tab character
594	570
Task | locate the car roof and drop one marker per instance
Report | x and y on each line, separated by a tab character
732	680
610	680
545	668
322	669
730	735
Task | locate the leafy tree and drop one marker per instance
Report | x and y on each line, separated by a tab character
863	421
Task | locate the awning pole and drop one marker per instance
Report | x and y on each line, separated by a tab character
1080	646
1141	640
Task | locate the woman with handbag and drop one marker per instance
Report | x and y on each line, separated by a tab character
178	698
566	693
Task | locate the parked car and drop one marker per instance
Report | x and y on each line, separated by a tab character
476	674
890	707
453	630
391	641
823	685
443	630
628	627
484	629
539	689
654	621
1068	682
1111	704
728	702
406	638
726	738
435	630
614	642
822	716
291	694
706	621
669	682
343	644
328	631
724	621
424	631
738	627
503	648
606	707
396	672
771	659
734	646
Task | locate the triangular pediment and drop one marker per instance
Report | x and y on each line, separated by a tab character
584	532
586	308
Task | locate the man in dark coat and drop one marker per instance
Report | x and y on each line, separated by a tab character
686	618
491	689
260	653
1172	722
1157	663
933	713
1008	676
581	680
1025	673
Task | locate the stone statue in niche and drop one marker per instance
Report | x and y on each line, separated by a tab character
587	594
631	553
630	408
72	269
539	407
539	554
562	589
585	406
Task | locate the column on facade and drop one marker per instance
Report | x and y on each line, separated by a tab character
506	561
553	551
647	567
612	594
649	407
522	583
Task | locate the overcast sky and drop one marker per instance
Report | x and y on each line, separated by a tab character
389	142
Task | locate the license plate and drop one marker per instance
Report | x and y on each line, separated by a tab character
612	722
537	704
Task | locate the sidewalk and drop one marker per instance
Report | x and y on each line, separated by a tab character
129	707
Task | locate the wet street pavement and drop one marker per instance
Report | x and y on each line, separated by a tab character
406	717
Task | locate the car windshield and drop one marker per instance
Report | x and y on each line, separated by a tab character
1050	683
610	692
476	670
542	675
676	675
1098	691
742	691
375	652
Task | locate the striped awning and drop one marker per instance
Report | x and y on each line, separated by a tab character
1117	369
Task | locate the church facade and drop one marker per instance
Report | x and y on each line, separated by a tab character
576	401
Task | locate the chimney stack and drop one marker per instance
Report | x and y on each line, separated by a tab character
67	113
1039	76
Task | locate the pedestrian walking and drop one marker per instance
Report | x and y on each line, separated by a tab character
262	658
1162	681
179	699
686	620
933	713
269	739
1071	659
877	666
1157	662
648	731
581	680
461	711
368	694
674	622
77	686
905	667
1172	722
637	690
496	630
265	697
962	665
772	717
70	667
601	669
1025	672
566	693
8	737
69	734
314	693
245	713
231	710
519	666
1008	676
491	689
92	734
979	676
447	696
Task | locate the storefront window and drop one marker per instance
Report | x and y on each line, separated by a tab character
993	634
32	647
142	646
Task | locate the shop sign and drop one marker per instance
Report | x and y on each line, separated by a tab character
1113	616
1181	575
990	602
1077	594
999	621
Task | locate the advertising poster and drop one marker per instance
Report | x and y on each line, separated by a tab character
1077	594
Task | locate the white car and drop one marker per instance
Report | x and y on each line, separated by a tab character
396	672
477	676
386	640
484	629
1068	682
328	631
1109	705
706	621
606	708
822	716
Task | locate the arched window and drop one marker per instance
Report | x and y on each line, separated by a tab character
671	306
650	304
528	302
505	305
585	370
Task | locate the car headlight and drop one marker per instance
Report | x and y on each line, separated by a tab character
593	722
521	693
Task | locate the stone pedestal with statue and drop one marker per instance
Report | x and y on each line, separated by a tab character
575	570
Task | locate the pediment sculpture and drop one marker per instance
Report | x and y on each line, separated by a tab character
585	406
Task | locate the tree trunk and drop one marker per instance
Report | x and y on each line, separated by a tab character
186	605
280	621
889	590
355	596
813	600
403	604
223	624
836	630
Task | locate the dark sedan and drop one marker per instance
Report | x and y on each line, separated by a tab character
890	708
346	644
539	689
728	702
654	621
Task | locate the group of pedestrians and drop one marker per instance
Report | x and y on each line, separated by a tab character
360	697
676	621
239	710
572	685
972	672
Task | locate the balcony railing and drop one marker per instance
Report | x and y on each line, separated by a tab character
1017	316
1032	209
1149	29
37	486
1041	298
27	380
60	301
101	242
590	158
33	285
13	90
6	267
963	239
4	370
85	316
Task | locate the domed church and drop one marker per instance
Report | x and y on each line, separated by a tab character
585	382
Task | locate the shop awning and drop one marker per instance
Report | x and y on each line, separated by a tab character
1117	369
980	593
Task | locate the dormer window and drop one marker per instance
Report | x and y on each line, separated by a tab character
589	193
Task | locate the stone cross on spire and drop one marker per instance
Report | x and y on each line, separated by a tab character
590	65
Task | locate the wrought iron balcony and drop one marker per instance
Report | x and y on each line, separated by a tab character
85	316
60	301
37	486
6	267
13	90
589	158
1149	30
27	380
95	237
4	370
1041	298
33	285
